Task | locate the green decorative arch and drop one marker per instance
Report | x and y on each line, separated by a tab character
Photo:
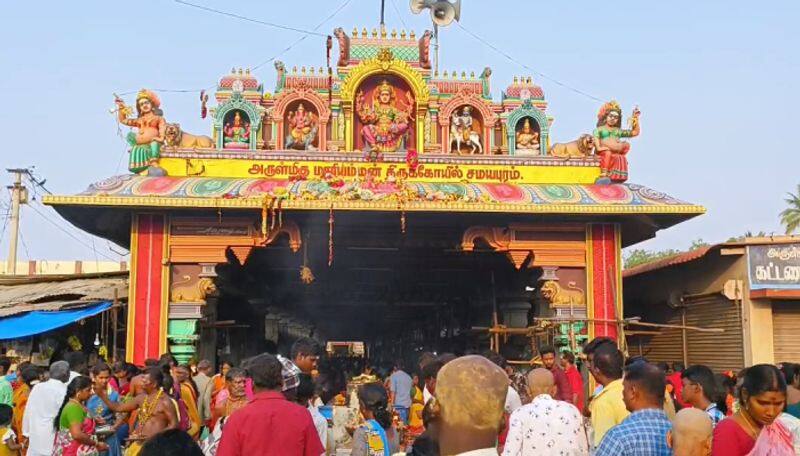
527	109
237	102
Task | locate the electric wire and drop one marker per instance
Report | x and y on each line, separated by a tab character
271	59
60	228
400	16
248	19
523	65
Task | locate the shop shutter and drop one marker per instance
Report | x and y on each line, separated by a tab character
664	346
786	331
719	351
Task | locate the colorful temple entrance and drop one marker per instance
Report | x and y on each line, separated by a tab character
384	204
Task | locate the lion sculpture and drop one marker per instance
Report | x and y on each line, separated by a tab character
175	137
581	147
563	297
192	292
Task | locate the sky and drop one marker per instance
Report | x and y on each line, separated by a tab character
716	82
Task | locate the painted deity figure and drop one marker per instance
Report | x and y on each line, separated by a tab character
385	120
607	143
151	127
236	133
527	139
461	131
302	129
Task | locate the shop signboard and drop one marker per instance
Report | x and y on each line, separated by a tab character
774	266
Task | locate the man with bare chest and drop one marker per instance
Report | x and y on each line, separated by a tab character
156	411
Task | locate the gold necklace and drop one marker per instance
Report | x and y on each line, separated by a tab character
147	408
746	416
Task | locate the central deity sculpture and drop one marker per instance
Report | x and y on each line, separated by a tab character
302	129
236	134
385	120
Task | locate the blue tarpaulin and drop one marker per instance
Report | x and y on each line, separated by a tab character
37	322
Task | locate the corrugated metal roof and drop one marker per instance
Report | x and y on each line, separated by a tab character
692	255
18	295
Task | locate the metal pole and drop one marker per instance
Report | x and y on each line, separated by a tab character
17	198
436	49
383	7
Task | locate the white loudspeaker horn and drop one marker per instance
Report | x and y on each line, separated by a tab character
443	12
418	5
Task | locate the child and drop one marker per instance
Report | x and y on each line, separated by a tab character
8	438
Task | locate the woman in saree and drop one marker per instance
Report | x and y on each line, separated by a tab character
754	430
74	427
99	411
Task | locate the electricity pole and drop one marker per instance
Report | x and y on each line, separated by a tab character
19	195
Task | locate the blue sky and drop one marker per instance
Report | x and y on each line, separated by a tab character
716	82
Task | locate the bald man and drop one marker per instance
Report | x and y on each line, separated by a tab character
557	425
471	392
691	433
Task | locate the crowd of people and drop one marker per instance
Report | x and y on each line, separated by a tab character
474	405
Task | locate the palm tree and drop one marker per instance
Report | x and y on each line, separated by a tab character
790	217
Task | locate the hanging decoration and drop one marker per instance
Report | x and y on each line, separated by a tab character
306	275
330	236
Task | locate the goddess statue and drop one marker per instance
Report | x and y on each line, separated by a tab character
607	144
303	129
146	143
527	140
385	119
236	134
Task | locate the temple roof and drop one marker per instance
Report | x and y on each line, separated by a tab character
205	192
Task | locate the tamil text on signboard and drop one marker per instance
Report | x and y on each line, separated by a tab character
774	266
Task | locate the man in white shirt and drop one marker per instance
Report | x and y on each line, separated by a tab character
556	426
471	391
43	404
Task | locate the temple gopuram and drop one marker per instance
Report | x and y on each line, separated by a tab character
371	200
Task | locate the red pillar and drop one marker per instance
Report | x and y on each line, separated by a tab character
604	269
147	303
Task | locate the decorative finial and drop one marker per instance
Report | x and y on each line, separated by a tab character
444	74
320	70
383	32
412	35
247	71
374	32
528	80
394	34
355	32
311	69
402	34
294	69
364	32
303	69
516	80
436	73
240	70
472	74
233	70
463	75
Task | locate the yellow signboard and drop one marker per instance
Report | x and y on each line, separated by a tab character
425	172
